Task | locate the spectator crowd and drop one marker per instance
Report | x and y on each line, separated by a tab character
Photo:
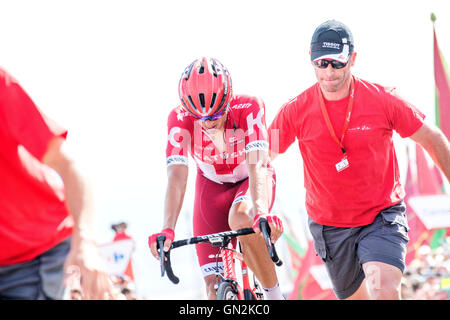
427	277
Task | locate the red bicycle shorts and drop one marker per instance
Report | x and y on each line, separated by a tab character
212	205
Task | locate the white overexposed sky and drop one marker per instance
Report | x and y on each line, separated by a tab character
108	71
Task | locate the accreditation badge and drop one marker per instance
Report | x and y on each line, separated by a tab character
342	165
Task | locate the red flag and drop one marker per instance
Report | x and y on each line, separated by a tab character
306	287
442	87
418	233
442	107
429	177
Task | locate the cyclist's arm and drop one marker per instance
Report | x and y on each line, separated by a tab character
260	186
177	176
437	145
258	180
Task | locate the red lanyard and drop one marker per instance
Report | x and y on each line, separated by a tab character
347	116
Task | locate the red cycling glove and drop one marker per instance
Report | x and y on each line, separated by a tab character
271	218
168	233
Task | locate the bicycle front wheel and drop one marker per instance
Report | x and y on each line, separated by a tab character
226	291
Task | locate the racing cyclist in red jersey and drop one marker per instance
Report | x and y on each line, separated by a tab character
226	136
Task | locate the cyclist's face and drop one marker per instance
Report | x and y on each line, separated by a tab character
218	124
333	80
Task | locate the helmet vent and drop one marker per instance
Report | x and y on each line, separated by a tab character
201	98
187	72
213	67
213	99
192	103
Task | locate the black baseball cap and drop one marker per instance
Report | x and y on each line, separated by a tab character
332	40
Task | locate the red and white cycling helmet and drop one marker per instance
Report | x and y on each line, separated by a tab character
205	87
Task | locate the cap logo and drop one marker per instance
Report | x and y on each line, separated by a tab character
331	45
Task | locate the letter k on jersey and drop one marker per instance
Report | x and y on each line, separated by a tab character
258	121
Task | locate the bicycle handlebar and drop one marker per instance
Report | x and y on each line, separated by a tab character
164	257
265	229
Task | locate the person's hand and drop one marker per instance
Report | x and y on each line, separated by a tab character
168	233
84	259
275	225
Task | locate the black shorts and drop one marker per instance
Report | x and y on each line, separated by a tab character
40	278
345	250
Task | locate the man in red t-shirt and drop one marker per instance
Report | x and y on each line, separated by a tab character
226	136
354	198
43	223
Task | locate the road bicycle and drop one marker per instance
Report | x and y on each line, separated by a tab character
228	287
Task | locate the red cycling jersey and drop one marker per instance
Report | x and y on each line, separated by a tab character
245	131
368	181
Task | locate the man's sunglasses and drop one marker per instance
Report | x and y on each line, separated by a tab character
323	64
210	118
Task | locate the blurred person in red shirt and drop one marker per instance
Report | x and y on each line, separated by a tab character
46	223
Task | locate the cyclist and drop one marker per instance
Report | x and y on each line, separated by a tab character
226	136
354	198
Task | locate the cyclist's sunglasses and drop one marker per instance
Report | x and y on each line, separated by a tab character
210	118
323	64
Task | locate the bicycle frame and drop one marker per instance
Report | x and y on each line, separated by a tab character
229	256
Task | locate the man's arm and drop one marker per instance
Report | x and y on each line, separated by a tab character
84	252
78	197
436	144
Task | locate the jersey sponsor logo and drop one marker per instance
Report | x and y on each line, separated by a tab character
252	121
241	199
176	159
257	145
181	115
234	140
179	138
242	106
212	268
171	137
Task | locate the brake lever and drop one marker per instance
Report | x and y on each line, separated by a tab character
160	245
265	229
164	260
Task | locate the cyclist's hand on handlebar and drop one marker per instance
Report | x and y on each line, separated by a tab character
168	233
275	224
